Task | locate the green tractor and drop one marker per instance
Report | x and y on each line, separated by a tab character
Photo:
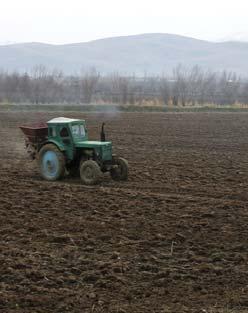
61	146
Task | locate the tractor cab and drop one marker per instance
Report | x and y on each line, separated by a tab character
67	129
71	135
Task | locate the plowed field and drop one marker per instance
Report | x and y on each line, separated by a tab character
174	238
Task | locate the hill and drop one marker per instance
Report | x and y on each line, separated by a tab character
147	53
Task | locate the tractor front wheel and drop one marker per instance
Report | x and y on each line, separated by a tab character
120	169
51	162
90	172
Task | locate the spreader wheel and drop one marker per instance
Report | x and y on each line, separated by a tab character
120	169
90	172
51	162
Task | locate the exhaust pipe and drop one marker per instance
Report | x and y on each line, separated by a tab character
103	137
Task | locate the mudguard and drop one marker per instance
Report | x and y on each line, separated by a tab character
54	142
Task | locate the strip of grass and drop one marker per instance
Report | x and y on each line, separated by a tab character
114	108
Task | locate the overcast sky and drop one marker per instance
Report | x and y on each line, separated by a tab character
67	21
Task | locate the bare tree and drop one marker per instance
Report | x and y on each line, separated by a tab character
39	74
119	88
180	91
89	82
186	86
165	90
228	88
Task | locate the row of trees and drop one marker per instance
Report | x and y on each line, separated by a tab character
185	86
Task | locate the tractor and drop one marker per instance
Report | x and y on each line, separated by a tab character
61	146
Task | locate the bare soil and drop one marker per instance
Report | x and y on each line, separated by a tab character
174	238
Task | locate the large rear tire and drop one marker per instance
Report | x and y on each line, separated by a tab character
120	169
51	162
90	172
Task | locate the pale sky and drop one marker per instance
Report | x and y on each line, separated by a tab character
68	21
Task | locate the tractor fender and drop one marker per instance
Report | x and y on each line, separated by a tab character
54	142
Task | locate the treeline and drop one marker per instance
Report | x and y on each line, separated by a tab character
184	87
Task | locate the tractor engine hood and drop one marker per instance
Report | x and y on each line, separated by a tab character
103	149
93	144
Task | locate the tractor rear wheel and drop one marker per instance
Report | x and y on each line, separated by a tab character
120	169
90	172
51	162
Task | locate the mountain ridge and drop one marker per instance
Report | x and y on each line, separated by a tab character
152	53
